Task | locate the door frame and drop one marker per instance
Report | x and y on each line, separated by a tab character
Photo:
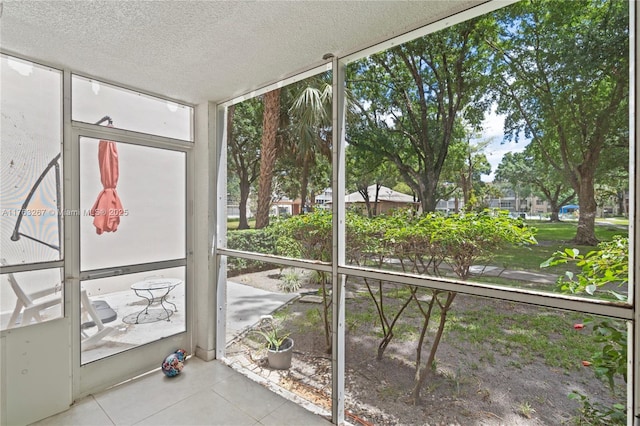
100	374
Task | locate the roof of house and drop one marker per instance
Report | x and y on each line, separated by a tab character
384	194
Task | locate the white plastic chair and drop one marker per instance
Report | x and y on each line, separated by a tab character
31	305
89	310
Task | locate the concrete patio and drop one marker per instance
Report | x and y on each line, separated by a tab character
245	306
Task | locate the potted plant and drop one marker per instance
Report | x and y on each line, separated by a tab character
279	346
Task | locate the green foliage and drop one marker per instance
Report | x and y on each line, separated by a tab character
552	237
302	166
290	281
308	236
243	152
526	410
610	361
561	79
305	236
422	243
465	238
607	265
595	414
272	335
257	240
411	99
527	171
418	242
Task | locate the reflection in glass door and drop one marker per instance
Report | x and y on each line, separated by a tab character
132	246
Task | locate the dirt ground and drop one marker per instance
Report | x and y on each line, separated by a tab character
466	389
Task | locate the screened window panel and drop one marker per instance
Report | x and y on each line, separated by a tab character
92	100
151	221
31	167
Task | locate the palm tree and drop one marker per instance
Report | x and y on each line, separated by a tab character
268	153
306	133
311	127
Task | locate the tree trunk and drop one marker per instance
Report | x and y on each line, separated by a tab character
245	189
304	183
326	313
270	121
465	191
423	373
428	194
376	201
621	208
586	234
555	208
365	196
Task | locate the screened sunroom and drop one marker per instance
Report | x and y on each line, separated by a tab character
245	180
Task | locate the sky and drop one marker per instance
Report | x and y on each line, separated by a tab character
493	129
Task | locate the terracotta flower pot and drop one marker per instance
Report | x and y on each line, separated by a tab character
281	359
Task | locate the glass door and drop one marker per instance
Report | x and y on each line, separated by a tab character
132	292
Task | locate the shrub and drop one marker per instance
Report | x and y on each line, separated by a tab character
290	281
256	240
305	236
599	269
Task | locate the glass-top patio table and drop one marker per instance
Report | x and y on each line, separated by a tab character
154	291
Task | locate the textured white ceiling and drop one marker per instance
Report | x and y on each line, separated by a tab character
204	50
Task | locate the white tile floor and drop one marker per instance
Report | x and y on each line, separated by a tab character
205	393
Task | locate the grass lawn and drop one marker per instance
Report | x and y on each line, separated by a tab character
551	238
615	220
232	224
565	231
542	334
487	346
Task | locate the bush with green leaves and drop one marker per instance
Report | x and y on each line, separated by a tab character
419	244
257	240
305	236
601	269
458	240
290	281
464	239
309	236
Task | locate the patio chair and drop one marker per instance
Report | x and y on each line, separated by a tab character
95	314
29	306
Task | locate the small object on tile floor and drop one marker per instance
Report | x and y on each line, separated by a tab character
173	364
182	354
